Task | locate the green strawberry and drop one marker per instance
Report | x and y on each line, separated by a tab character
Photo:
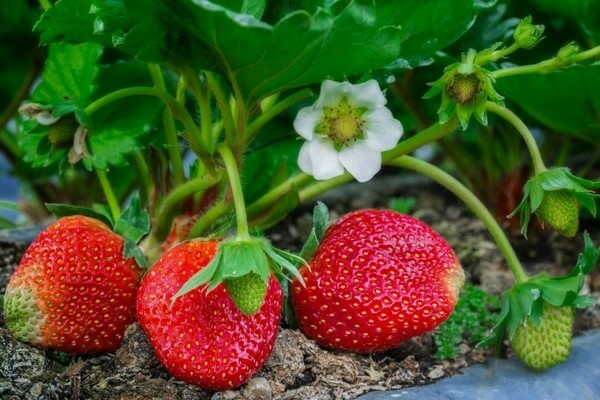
247	292
62	132
547	344
560	210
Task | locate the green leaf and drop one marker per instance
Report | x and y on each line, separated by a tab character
64	210
543	96
589	258
134	223
69	74
321	219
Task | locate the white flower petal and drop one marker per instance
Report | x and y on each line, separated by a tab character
381	130
367	95
361	161
45	118
320	159
332	93
307	120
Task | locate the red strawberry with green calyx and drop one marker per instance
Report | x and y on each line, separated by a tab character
201	336
73	290
377	279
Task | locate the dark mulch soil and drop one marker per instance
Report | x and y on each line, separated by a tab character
298	368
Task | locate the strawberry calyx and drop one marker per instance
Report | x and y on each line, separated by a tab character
555	196
525	302
245	267
133	223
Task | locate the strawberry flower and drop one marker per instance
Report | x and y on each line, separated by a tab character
346	129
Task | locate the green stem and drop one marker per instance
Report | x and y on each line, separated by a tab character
275	110
144	172
207	219
478	208
111	199
9	143
222	102
514	120
496	55
470	57
236	189
174	199
549	65
9	205
46	5
277	192
203	98
6	224
168	122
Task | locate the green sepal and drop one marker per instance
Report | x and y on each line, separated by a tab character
64	210
320	224
134	222
236	258
552	180
525	300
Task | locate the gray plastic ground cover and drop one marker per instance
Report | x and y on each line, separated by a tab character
499	379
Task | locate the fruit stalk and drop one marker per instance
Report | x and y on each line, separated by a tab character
236	189
514	120
111	198
458	189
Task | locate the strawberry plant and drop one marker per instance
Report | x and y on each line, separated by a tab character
176	133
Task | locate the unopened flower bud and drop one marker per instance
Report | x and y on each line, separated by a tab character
567	52
526	34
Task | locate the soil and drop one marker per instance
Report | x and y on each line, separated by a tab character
298	368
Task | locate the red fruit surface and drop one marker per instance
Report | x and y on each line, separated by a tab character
73	291
202	338
377	279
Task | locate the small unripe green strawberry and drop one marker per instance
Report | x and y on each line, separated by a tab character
560	211
547	344
247	292
464	88
62	132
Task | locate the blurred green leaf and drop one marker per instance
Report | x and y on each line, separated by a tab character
565	101
584	12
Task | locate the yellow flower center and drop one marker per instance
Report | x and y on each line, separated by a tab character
343	123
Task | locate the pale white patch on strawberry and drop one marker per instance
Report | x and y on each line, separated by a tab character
22	314
346	129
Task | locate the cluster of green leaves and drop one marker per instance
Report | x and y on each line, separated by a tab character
474	315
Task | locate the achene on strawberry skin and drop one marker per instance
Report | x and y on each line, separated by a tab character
73	291
202	337
377	279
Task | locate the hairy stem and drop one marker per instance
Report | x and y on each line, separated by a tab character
478	208
514	120
236	188
207	219
111	198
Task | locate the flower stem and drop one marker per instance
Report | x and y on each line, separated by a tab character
478	208
277	192
275	110
207	219
203	98
174	199
496	55
549	65
514	120
236	188
111	198
144	172
222	103
46	5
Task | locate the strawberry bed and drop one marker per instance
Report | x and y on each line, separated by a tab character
298	367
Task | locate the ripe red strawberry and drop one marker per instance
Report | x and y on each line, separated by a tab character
377	279
202	338
73	291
